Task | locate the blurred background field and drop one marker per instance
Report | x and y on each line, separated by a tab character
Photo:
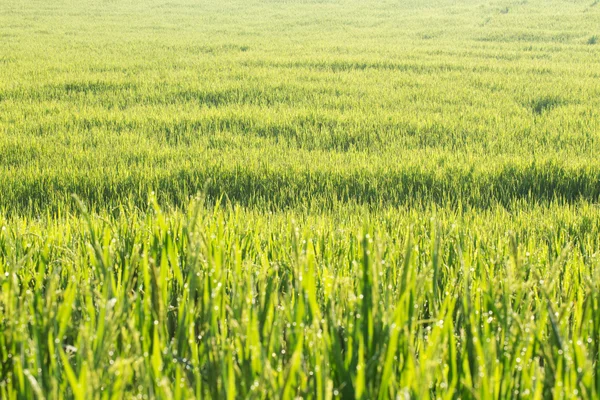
472	102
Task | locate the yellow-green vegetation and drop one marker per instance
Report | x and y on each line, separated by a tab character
299	199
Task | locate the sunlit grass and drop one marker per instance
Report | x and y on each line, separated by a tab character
233	302
397	199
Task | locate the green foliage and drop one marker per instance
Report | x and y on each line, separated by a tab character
288	103
545	103
227	303
399	199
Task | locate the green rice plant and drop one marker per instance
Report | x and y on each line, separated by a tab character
384	211
230	302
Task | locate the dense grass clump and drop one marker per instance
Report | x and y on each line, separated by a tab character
235	303
397	199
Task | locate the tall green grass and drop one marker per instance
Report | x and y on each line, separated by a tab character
230	303
399	199
284	103
328	180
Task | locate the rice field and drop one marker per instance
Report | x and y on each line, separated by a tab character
299	199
